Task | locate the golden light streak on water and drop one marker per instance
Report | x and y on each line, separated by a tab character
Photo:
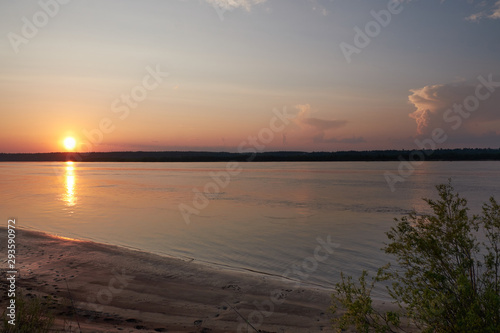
70	195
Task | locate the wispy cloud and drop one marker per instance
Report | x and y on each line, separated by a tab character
320	130
476	17
491	12
234	4
320	138
304	118
495	14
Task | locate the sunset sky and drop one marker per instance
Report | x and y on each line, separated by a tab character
72	69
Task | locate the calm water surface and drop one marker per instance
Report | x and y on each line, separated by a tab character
267	219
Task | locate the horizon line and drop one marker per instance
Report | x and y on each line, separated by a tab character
242	153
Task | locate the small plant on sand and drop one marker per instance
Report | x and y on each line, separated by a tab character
32	316
446	277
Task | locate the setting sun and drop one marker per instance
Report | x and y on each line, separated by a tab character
69	143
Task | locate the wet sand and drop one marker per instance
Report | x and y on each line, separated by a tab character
114	289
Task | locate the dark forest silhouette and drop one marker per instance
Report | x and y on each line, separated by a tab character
277	156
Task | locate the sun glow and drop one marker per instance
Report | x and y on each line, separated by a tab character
69	143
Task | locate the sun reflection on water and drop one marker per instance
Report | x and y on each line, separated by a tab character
70	195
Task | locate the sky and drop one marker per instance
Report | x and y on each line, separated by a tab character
226	75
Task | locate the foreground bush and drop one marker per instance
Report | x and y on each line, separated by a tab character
444	279
31	317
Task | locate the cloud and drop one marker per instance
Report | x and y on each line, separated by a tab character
476	17
234	4
320	138
316	129
493	12
427	100
456	109
321	125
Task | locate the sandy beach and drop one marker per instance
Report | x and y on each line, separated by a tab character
115	289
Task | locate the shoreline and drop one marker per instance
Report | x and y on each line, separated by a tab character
119	289
214	265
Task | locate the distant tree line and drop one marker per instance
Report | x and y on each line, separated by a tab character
466	154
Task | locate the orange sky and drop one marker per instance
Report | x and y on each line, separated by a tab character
184	75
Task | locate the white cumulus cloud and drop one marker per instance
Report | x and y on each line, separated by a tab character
465	110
